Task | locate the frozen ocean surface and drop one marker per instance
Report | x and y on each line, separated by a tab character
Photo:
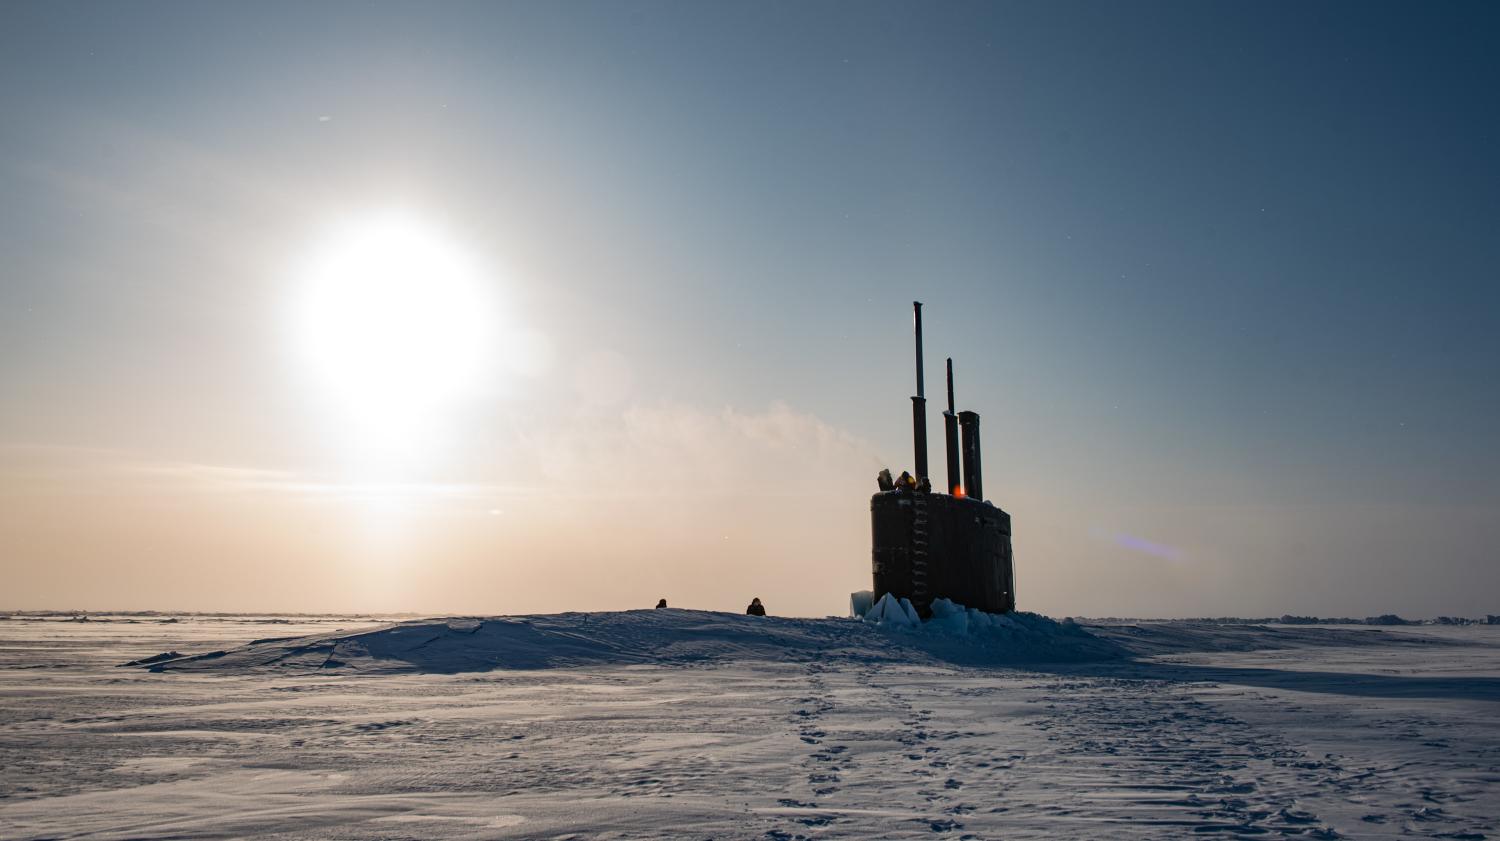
676	723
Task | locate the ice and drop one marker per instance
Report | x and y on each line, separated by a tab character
690	724
860	602
1016	634
892	612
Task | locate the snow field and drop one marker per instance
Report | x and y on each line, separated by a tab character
851	731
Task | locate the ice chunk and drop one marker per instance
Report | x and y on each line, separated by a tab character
912	617
860	602
949	618
890	611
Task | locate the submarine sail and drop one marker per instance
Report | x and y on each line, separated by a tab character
929	545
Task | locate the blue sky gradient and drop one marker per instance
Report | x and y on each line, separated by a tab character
1220	277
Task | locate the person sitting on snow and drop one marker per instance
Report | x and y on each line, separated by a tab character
661	604
755	608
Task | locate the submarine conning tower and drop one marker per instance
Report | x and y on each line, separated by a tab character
953	544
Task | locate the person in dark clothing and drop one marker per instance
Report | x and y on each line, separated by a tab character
755	608
661	604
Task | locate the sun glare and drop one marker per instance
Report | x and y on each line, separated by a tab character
393	322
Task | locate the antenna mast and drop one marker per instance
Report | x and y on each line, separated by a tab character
950	438
919	403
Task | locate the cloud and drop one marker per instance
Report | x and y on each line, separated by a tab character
599	508
728	451
36	467
624	452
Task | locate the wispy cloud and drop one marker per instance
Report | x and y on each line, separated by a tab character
640	450
124	471
727	451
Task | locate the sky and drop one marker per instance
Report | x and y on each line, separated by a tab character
1220	278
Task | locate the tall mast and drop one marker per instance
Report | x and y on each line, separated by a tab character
919	403
950	438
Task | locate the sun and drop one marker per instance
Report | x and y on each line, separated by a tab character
393	321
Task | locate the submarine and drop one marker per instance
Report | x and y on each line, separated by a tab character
952	543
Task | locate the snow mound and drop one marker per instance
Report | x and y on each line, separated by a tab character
665	637
888	631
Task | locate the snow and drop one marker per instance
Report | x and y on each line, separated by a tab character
677	723
889	632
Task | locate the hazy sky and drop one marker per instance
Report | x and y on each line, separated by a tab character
1221	279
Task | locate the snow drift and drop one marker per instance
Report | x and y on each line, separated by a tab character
646	637
888	631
